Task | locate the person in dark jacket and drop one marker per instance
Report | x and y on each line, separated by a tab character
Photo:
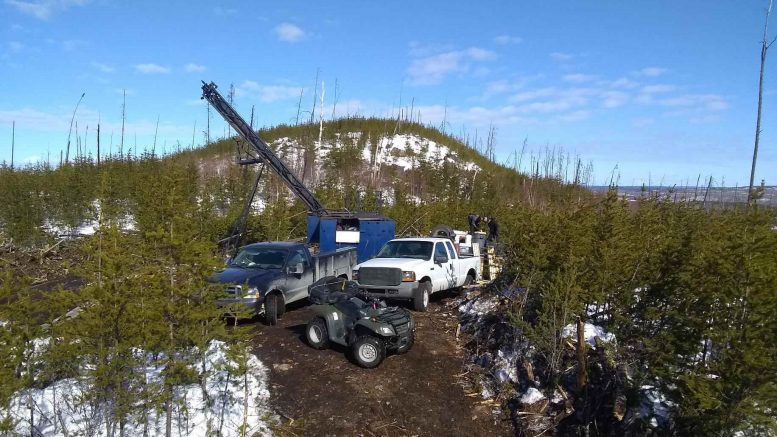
474	223
493	230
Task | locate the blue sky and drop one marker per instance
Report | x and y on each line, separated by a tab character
664	90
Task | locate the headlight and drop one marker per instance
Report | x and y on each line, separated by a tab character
252	292
408	276
355	275
386	330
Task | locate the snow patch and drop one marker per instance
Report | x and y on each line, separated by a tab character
479	307
532	396
591	333
59	406
655	407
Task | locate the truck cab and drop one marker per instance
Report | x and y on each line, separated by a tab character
267	276
415	268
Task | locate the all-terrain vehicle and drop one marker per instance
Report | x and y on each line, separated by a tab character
368	327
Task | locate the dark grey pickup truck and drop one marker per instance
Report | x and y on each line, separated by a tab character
270	275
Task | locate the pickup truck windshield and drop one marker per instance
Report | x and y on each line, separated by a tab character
260	258
406	249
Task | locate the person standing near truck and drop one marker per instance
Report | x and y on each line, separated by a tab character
493	230
474	223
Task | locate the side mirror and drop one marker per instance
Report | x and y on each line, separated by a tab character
296	269
442	259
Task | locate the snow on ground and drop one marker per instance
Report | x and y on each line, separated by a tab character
532	396
655	407
401	150
58	407
479	307
406	151
501	354
591	333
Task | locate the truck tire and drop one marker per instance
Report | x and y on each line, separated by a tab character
463	289
271	303
421	298
316	334
369	351
443	231
406	347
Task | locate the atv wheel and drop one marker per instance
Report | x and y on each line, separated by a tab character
406	347
463	289
369	351
271	309
317	334
421	298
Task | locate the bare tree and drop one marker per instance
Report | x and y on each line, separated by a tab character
98	140
315	94
765	44
156	131
123	117
299	104
334	102
13	140
70	131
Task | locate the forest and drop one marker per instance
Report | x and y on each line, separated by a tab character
688	291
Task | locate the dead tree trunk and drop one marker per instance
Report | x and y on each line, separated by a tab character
765	44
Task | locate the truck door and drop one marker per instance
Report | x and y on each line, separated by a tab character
456	269
443	273
297	283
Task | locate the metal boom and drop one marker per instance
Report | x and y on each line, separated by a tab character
210	93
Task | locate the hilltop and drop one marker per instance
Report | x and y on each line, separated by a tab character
397	167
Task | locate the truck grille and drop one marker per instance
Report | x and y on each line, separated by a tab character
380	276
399	319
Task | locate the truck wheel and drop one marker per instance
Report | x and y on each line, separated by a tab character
421	298
406	347
369	351
271	309
317	334
469	281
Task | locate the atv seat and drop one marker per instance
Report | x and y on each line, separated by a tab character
331	290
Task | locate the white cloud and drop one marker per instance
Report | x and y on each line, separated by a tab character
658	89
575	116
44	9
614	99
103	68
194	68
579	78
288	32
15	46
529	95
267	93
478	54
561	57
623	82
709	102
151	69
474	116
498	87
650	72
432	69
507	39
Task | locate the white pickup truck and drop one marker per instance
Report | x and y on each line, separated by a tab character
414	268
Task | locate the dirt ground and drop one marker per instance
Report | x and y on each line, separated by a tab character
421	393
